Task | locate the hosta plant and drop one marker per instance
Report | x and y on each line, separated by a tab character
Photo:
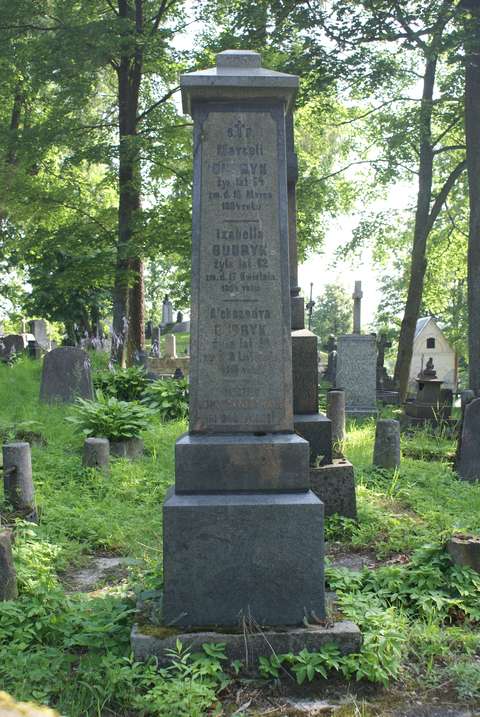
107	417
168	398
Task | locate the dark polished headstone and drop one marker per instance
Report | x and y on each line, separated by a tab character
316	428
232	556
305	371
239	463
468	467
66	375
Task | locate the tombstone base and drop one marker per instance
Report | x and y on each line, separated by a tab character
335	486
233	556
315	428
248	644
215	463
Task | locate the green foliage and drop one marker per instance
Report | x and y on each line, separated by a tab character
168	398
332	313
127	384
107	417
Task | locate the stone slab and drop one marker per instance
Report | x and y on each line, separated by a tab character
241	463
465	551
317	430
235	556
249	645
468	467
241	366
356	373
305	371
11	345
235	77
66	375
297	304
167	366
335	486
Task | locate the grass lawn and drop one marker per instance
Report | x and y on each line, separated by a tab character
418	614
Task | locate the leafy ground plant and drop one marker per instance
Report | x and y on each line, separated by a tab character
127	384
107	417
168	398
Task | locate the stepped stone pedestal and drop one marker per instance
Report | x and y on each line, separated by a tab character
243	532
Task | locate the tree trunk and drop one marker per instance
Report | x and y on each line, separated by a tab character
420	235
136	335
129	72
472	137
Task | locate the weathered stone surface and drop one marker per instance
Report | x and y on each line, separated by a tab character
66	375
96	453
18	482
336	414
11	345
357	307
468	466
170	346
356	373
130	448
465	551
232	82
317	430
8	576
250	645
230	556
240	346
167	366
38	327
239	463
334	484
386	453
305	372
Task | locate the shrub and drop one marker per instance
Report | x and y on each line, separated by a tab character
126	384
110	418
168	398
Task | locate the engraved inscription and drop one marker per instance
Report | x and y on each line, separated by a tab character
241	327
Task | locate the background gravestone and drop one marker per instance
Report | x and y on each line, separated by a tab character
11	345
356	371
66	375
468	467
38	327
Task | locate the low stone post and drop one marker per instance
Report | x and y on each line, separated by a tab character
336	413
386	453
17	473
8	576
96	453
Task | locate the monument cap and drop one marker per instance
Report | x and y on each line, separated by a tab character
237	75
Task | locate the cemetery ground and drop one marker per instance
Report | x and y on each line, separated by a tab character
65	641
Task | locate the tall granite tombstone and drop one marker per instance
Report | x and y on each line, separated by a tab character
66	375
315	427
356	365
243	534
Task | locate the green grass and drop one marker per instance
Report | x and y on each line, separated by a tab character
418	614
